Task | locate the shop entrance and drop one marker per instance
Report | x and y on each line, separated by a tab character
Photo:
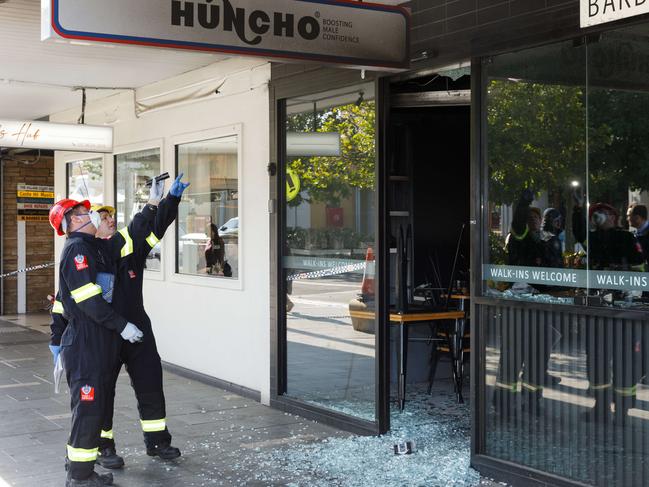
428	204
373	251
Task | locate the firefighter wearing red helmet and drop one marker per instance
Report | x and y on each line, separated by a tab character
128	250
87	345
609	247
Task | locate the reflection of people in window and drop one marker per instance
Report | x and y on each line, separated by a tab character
552	248
609	246
214	251
636	215
523	243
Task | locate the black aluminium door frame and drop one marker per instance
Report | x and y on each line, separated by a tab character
492	467
279	363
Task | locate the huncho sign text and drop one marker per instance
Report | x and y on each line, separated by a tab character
595	12
348	33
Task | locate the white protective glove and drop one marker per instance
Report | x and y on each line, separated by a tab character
156	192
132	333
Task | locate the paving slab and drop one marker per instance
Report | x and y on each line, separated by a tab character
227	440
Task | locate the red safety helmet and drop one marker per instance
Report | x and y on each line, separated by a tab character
60	208
602	207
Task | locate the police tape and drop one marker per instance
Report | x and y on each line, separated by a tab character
333	271
27	269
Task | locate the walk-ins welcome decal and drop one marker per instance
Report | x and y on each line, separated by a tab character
552	276
349	33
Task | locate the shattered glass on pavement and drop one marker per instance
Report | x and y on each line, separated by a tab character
438	425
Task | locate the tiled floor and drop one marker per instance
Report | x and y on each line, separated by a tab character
225	439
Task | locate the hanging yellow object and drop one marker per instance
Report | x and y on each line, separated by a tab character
292	184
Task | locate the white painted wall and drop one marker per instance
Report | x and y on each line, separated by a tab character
216	327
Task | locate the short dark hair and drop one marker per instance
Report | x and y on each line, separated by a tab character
639	210
72	211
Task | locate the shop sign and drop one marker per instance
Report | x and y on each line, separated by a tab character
594	12
293	185
55	136
581	278
34	202
355	34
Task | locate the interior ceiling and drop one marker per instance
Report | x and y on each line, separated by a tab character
25	58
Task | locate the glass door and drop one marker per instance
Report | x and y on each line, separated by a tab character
329	259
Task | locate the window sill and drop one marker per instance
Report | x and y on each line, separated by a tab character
206	281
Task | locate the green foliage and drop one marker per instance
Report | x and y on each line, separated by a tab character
330	179
620	161
536	136
497	252
325	238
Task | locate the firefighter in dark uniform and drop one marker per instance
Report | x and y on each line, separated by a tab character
610	247
638	218
86	344
142	362
533	241
128	250
523	243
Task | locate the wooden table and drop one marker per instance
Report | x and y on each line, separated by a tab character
402	320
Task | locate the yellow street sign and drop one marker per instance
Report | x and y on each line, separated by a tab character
292	184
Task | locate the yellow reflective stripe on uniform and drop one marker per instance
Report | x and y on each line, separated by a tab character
521	237
107	434
599	387
626	391
127	249
84	292
57	307
513	387
532	387
82	454
151	426
152	240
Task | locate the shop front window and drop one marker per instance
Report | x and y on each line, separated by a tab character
566	209
328	252
208	215
132	170
85	180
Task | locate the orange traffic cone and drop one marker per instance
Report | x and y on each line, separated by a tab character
367	287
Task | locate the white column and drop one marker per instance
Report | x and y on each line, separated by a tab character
22	263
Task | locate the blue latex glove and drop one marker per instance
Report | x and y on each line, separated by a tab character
178	187
55	349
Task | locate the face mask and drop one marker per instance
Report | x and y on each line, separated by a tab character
95	218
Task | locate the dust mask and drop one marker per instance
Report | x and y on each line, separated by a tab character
95	218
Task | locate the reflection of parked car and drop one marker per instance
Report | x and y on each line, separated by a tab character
230	228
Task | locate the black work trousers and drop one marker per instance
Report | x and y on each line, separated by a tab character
144	368
615	365
526	346
88	359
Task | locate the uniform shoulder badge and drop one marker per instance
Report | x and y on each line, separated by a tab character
81	262
87	393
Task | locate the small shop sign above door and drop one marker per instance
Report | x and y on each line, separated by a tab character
27	134
348	33
595	12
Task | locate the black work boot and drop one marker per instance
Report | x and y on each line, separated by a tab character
163	450
95	480
108	458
